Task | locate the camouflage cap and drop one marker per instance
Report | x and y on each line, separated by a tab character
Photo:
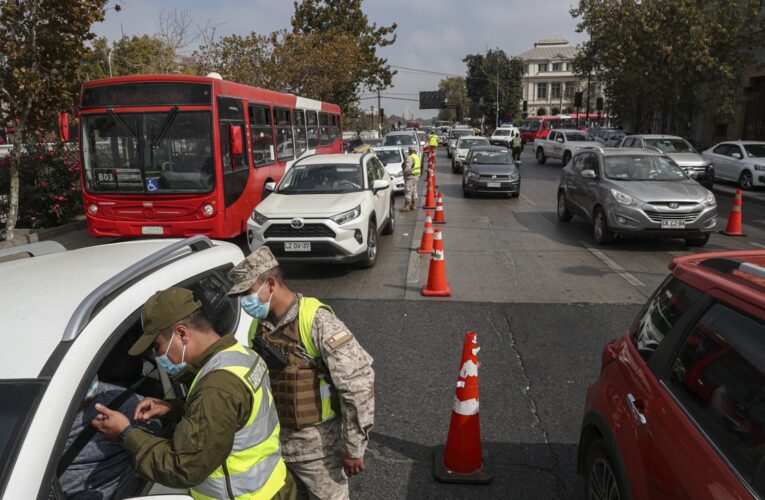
163	310
246	273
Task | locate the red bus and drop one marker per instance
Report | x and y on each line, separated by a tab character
169	155
537	127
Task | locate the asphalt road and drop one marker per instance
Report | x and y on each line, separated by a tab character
543	298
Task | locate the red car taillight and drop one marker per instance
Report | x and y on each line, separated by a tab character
609	354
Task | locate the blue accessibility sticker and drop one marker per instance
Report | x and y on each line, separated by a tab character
152	185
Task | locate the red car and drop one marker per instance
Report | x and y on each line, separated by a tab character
678	410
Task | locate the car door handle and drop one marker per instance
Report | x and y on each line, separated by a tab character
637	414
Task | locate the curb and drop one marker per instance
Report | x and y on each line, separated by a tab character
44	234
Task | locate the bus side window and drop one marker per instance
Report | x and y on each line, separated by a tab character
324	129
285	148
301	142
312	120
231	112
262	135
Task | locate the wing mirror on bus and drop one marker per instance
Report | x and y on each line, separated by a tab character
235	140
269	186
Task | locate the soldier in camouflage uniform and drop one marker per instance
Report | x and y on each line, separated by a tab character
322	379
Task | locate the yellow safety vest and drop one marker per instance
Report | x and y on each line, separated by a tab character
254	468
306	313
416	166
433	140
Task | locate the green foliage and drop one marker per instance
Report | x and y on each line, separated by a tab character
456	93
49	185
485	74
662	60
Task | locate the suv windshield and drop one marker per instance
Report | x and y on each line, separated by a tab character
642	168
670	145
469	143
455	134
321	179
400	140
151	153
500	131
19	400
755	150
578	137
389	155
491	157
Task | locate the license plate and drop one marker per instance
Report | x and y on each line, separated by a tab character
493	184
297	246
673	224
152	230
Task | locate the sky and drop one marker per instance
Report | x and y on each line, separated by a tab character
432	35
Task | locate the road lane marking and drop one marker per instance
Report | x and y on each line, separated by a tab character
605	259
527	200
756	244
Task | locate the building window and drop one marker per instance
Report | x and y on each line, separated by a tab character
526	69
555	90
557	66
568	89
542	68
541	91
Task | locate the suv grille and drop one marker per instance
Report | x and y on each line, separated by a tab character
307	231
495	177
662	216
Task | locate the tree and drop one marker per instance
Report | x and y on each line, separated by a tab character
41	42
456	94
345	18
660	61
493	75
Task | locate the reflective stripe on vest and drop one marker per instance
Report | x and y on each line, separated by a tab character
254	469
307	310
433	140
416	167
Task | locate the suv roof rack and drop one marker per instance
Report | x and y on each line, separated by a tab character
725	265
31	250
84	311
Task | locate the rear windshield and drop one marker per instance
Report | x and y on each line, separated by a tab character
460	132
500	131
642	168
492	157
755	150
400	140
19	399
389	155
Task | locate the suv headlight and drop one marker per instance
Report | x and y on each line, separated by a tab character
759	167
624	199
259	218
514	176
344	217
710	200
472	175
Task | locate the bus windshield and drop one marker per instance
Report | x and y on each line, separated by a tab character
531	125
148	153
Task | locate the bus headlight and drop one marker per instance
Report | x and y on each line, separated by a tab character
208	210
92	209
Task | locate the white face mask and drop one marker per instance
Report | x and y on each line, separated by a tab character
167	365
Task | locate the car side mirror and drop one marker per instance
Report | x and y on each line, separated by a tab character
737	156
559	139
379	185
589	174
269	186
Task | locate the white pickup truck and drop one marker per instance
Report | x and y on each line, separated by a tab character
562	144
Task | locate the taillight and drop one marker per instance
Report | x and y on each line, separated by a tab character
609	354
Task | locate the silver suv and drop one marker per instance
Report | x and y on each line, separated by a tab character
635	192
695	165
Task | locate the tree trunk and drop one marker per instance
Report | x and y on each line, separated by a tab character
13	209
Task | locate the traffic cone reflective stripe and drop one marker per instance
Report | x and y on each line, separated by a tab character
430	199
734	219
439	218
463	459
426	242
437	285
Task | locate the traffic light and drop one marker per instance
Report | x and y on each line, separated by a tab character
599	104
525	106
578	100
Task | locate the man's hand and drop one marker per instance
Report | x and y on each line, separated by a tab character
353	466
108	422
151	408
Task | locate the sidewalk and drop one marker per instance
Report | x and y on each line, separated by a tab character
72	235
730	190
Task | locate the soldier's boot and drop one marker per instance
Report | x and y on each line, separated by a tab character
413	205
405	208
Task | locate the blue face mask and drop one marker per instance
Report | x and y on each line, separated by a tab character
167	365
253	306
92	389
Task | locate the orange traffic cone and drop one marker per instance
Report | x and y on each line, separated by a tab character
437	285
430	198
426	243
734	219
432	160
439	218
463	460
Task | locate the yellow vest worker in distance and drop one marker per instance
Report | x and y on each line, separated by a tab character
433	142
322	379
226	440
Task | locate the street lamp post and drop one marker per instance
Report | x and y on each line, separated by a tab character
109	61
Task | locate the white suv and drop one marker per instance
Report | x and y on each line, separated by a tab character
326	208
70	315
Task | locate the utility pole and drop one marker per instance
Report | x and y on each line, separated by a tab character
496	117
379	110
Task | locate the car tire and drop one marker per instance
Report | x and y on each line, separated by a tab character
698	242
391	225
564	214
370	257
541	158
465	192
600	231
745	181
566	158
601	478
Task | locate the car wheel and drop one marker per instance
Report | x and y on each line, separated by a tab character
603	235
454	167
698	242
391	225
370	258
745	182
601	479
541	158
465	192
563	212
566	158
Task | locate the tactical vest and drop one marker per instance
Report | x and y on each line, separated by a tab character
416	166
302	390
517	142
254	468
